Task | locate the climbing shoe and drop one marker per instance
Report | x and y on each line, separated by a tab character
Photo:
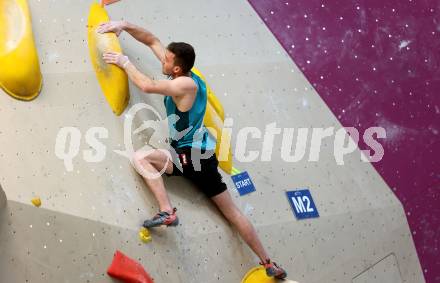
273	270
162	218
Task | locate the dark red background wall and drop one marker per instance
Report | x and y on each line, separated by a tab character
376	63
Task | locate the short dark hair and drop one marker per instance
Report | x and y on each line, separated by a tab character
185	55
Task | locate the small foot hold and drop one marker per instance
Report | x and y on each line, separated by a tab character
144	235
36	201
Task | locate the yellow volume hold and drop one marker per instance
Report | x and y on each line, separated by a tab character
112	79
20	74
257	275
213	121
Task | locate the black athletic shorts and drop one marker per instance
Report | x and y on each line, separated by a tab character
207	178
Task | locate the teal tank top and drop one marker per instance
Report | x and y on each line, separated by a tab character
191	121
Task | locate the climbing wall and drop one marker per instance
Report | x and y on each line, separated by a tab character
2	198
97	207
374	63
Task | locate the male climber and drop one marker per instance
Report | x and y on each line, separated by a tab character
185	96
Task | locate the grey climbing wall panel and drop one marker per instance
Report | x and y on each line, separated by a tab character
97	208
386	270
2	198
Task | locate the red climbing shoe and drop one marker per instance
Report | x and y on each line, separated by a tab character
273	270
162	218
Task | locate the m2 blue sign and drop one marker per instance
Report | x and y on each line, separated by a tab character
302	204
243	183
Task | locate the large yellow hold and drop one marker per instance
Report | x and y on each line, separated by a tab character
257	275
112	79
213	120
20	74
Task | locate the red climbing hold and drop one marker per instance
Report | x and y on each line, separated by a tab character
128	270
108	2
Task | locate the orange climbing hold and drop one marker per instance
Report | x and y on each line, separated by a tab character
108	2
